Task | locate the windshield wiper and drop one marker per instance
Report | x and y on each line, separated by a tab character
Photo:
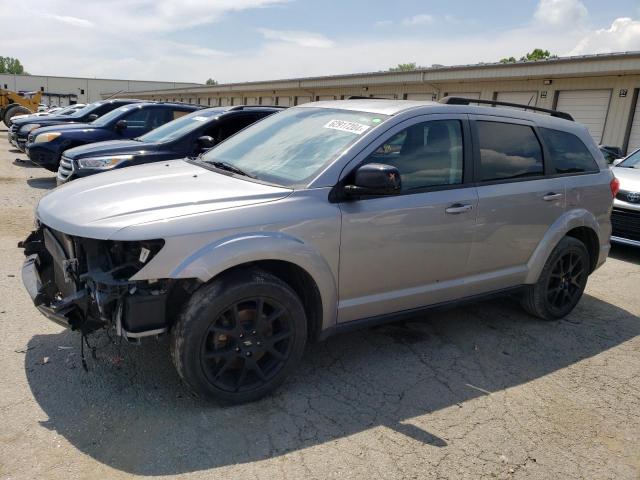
230	168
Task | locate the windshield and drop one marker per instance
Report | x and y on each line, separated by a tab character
85	110
291	147
632	161
107	118
181	126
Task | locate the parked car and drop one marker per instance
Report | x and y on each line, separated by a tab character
625	217
611	153
45	145
187	136
20	129
52	111
309	222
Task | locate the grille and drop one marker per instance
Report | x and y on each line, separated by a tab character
629	197
66	168
626	223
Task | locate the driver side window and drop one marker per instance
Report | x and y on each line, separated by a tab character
428	154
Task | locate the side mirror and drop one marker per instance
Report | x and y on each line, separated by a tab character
92	117
205	142
121	125
617	162
375	179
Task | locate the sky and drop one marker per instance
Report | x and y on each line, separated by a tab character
247	40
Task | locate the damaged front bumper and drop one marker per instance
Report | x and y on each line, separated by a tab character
83	284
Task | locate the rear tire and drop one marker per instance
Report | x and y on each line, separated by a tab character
239	337
561	283
12	111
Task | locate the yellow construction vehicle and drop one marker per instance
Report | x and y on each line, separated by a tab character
13	103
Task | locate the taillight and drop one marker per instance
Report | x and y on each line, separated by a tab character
615	187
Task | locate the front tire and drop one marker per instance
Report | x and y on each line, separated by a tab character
12	111
239	337
561	283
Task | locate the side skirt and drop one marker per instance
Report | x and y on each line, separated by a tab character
414	312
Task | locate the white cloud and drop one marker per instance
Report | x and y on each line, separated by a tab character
143	39
297	37
422	19
560	13
623	35
75	21
383	23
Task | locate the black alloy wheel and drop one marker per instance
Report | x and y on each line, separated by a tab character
247	344
239	336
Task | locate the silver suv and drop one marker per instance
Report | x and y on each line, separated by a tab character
320	218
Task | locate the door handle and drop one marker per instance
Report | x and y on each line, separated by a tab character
457	208
552	196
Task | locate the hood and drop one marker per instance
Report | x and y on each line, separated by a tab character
100	205
629	178
110	147
45	120
65	127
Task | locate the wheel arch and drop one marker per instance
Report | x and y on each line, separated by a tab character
578	223
297	263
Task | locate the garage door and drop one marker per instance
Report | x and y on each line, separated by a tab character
301	100
420	96
236	101
224	101
588	107
266	100
251	101
634	138
523	98
284	101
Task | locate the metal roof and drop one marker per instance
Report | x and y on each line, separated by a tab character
585	65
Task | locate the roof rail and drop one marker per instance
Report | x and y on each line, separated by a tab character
360	97
242	107
467	101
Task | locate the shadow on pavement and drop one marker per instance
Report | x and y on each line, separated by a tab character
19	162
42	183
131	412
625	253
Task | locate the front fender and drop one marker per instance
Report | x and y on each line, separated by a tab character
223	254
568	221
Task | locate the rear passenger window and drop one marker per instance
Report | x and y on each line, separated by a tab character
568	152
508	151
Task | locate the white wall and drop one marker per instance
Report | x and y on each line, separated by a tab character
87	89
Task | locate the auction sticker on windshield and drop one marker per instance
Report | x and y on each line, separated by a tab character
344	126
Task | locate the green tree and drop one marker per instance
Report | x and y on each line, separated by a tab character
535	54
11	65
404	67
211	81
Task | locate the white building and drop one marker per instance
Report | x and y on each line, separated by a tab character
65	90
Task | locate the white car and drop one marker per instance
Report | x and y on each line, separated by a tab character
625	217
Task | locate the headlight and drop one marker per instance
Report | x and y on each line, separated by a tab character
46	137
103	163
28	127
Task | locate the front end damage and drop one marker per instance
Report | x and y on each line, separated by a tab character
84	284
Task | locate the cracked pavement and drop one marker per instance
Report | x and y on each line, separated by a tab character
480	391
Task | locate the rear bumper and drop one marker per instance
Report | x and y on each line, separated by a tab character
625	241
